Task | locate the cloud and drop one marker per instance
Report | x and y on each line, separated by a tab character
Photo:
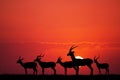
87	44
83	44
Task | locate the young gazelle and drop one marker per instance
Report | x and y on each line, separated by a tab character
101	65
44	65
28	65
67	64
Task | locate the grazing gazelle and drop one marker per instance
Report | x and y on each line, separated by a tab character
80	62
101	65
44	65
67	64
28	65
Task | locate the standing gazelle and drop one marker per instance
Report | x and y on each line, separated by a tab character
80	62
67	64
44	65
28	65
101	65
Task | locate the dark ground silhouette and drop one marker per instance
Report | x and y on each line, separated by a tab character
59	77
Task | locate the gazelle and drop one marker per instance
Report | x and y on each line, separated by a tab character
67	64
31	65
101	65
44	65
80	62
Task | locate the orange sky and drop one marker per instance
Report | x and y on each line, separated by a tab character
55	25
49	20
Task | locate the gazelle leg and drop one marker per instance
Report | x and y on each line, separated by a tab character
65	71
77	70
99	71
108	70
25	71
35	71
43	71
54	71
91	69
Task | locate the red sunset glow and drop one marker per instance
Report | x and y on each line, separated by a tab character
31	27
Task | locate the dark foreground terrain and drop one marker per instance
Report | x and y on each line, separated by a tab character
59	77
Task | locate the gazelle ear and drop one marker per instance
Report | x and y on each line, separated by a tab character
19	57
60	58
22	58
98	57
38	56
94	57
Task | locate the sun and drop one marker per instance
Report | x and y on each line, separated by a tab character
78	57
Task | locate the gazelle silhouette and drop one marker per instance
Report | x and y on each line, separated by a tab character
101	65
26	65
44	65
67	64
80	62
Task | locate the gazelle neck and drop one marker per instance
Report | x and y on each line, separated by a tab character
72	57
22	64
97	63
61	63
39	62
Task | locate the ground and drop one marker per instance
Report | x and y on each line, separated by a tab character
59	77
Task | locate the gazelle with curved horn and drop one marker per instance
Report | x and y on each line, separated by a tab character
44	65
101	65
80	62
28	65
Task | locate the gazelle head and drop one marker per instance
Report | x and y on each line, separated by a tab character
70	50
20	60
95	59
38	58
59	60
